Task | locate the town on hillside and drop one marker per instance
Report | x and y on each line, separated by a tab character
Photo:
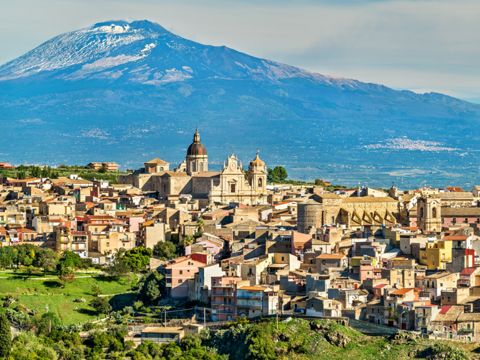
243	243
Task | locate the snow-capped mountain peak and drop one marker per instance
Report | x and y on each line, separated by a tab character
145	52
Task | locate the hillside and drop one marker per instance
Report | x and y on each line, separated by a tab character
129	91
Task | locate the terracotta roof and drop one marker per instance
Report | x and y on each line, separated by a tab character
456	195
252	288
206	174
331	256
369	199
455	238
461	212
157	161
468	271
401	291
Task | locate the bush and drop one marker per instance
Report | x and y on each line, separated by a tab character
5	336
443	351
101	305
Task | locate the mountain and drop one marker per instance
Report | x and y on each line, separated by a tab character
130	91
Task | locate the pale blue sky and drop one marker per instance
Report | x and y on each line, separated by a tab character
422	45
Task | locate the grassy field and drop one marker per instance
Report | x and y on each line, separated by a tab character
62	170
41	293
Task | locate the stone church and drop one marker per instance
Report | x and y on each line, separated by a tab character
192	177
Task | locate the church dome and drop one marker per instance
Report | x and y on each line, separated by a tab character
196	148
257	162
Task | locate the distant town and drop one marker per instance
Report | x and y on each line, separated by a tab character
244	242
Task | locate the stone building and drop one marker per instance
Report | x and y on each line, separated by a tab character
192	177
332	209
429	218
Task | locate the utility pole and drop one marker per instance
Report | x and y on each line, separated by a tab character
204	317
277	318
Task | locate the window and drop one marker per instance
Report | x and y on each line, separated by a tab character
434	213
181	272
233	187
421	212
260	182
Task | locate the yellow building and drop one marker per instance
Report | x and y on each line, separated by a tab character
436	255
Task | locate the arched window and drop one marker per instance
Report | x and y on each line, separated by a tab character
200	167
434	213
421	212
260	182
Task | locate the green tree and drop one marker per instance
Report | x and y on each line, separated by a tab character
165	250
21	174
66	274
101	305
46	259
152	288
35	171
277	174
5	337
27	346
47	323
96	290
134	260
187	240
70	259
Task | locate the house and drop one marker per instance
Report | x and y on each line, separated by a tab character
434	284
323	307
178	273
6	165
156	165
436	254
162	335
223	300
209	243
445	324
107	166
254	301
325	262
469	277
252	269
423	317
203	282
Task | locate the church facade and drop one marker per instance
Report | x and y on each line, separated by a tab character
192	177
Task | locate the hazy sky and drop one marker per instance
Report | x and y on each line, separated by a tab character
422	45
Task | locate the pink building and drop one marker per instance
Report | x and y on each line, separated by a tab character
208	243
134	223
367	271
178	274
462	215
223	297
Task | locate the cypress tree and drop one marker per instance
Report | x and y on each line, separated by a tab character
5	337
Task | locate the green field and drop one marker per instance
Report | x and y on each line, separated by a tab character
45	293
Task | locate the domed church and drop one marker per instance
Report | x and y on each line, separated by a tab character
192	177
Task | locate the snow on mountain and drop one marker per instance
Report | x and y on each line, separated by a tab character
118	44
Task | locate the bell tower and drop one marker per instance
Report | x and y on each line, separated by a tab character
429	213
197	158
257	174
